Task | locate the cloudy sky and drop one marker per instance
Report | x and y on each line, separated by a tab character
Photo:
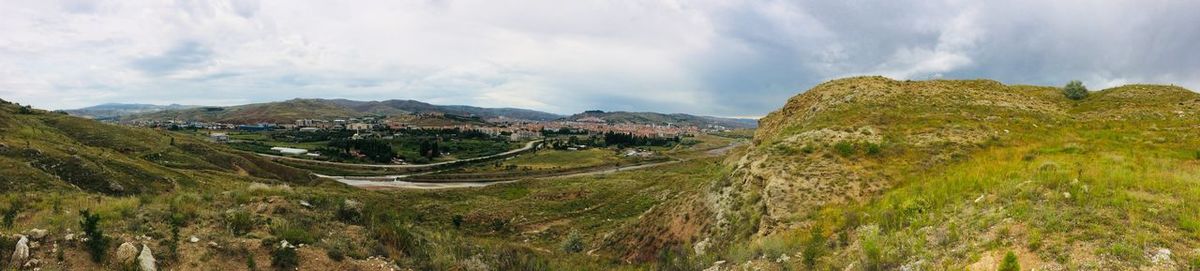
725	58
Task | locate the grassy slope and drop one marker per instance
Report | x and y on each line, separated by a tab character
1103	183
205	187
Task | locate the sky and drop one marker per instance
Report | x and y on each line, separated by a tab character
722	58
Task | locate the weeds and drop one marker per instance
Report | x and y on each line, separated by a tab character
573	243
239	222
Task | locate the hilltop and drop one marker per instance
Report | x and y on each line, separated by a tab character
885	174
42	150
113	111
662	119
291	110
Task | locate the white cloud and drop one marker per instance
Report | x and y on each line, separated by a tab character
711	56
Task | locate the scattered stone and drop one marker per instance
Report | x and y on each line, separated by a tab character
193	239
213	244
1161	256
1067	195
717	266
126	252
146	261
783	258
69	237
32	263
37	234
21	252
306	204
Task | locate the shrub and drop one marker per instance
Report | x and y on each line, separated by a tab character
874	149
814	248
284	257
10	214
239	222
349	212
1075	90
573	243
96	243
457	220
293	234
844	148
1009	263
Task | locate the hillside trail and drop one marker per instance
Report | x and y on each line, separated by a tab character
381	182
528	146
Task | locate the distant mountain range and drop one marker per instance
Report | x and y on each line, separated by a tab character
663	119
110	111
291	110
403	110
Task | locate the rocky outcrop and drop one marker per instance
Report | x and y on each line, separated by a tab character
20	252
126	253
146	260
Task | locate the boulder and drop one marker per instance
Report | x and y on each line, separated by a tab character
37	234
146	261
126	252
21	252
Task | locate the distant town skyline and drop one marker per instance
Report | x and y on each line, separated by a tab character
718	58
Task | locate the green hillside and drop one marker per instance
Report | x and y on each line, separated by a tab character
876	174
663	119
291	110
863	173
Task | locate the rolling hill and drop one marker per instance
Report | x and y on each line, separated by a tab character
45	150
113	111
862	173
290	110
869	173
663	119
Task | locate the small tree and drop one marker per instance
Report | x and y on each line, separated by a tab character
1010	263
1075	90
96	242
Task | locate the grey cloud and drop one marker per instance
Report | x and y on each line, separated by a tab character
184	55
706	57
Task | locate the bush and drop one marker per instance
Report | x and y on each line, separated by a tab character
814	248
284	257
239	222
1075	90
97	243
10	214
1009	263
874	149
573	243
349	212
844	148
293	234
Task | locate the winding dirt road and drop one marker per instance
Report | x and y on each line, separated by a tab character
528	146
394	182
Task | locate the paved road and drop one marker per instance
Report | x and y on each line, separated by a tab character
382	182
527	147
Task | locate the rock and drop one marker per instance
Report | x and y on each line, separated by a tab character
193	239
214	244
306	204
126	252
37	234
1161	256
146	261
69	237
21	252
